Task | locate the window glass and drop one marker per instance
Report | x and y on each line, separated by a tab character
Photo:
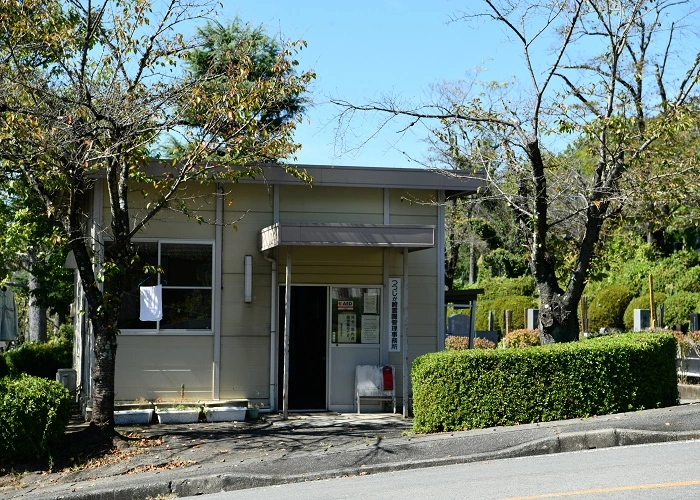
186	309
186	264
355	315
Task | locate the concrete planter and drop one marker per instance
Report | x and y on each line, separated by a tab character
225	413
133	417
175	416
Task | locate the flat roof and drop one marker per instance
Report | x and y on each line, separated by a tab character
451	181
383	177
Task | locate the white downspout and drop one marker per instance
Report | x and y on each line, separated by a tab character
441	272
287	327
216	320
274	294
404	332
273	331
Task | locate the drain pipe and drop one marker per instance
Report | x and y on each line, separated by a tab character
273	330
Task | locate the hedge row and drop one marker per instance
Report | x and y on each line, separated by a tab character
34	413
454	390
37	359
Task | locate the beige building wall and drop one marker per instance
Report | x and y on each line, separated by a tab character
157	365
245	327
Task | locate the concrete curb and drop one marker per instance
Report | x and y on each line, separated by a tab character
215	483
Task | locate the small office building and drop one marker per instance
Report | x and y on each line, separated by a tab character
353	267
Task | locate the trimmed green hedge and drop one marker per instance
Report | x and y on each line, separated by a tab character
34	413
454	390
40	359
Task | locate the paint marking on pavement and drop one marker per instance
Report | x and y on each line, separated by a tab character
635	487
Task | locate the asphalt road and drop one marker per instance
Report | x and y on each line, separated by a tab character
658	471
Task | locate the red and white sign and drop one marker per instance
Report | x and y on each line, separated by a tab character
345	305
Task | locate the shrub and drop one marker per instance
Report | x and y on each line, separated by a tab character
679	306
482	343
499	287
483	307
668	273
456	343
501	262
4	370
478	388
607	309
34	413
639	303
689	281
39	359
65	333
522	338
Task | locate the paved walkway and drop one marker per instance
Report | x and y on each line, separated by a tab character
185	460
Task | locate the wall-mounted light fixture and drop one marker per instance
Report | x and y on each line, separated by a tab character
248	278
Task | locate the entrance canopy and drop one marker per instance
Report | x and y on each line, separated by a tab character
411	236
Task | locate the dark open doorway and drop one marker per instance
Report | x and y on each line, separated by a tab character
307	347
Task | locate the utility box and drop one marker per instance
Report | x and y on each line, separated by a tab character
67	378
642	319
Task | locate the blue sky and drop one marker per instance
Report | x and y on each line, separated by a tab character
363	49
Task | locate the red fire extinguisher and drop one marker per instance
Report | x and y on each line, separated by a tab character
387	378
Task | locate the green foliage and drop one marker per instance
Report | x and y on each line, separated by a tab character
34	413
640	303
4	369
483	306
502	263
250	49
668	273
498	286
456	390
689	281
608	307
522	338
40	359
679	306
65	333
515	303
624	254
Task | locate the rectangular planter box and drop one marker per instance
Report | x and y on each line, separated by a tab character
173	416
133	417
225	413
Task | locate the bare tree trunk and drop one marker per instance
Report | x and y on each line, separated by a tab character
105	351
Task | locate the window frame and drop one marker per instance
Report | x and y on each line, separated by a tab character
178	331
